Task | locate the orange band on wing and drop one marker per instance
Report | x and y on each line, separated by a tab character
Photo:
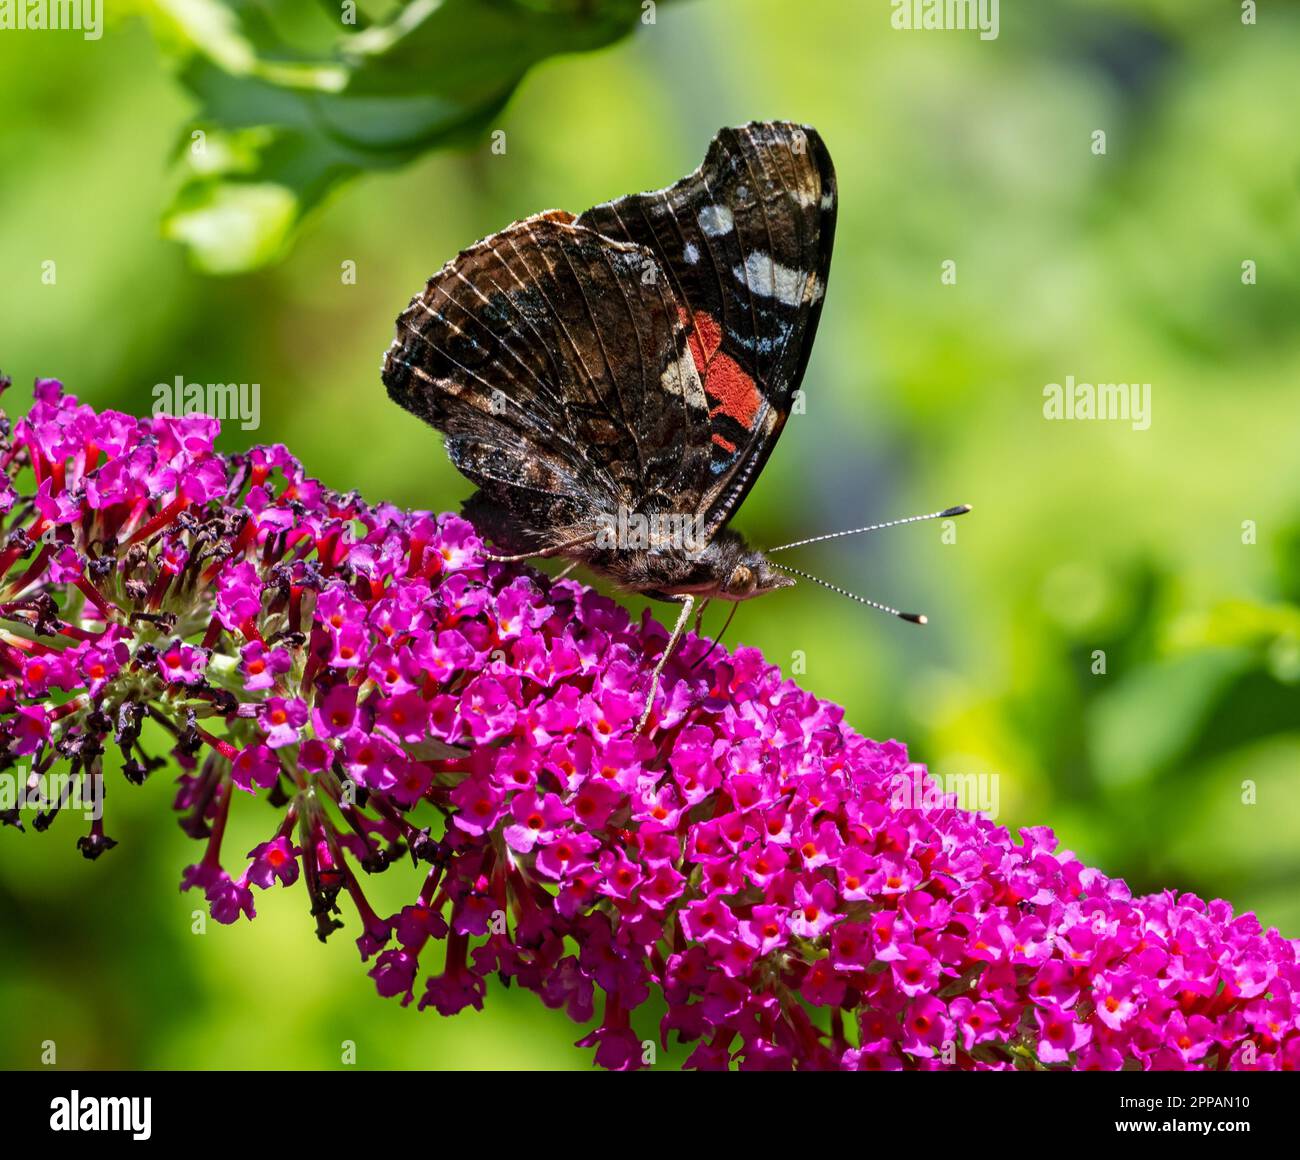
733	391
705	336
730	388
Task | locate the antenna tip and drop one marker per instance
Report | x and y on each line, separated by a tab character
914	617
960	510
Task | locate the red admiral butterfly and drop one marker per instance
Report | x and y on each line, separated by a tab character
614	382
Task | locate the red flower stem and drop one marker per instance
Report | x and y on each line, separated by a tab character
213	633
71	630
161	520
69	707
21	643
34	533
97	598
228	751
212	855
37	567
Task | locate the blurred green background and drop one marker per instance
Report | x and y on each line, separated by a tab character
1086	536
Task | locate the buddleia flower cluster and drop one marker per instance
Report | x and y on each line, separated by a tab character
409	707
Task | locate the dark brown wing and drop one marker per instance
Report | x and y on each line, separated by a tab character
557	365
746	240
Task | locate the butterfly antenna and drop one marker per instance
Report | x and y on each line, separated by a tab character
726	624
911	617
947	514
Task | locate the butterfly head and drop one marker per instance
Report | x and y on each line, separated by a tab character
742	572
753	576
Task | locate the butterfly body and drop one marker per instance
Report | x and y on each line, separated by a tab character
662	564
725	568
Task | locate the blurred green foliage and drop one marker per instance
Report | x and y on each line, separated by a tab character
298	96
1086	538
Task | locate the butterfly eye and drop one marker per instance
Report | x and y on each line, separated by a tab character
742	579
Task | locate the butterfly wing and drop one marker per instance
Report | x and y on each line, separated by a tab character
557	365
746	241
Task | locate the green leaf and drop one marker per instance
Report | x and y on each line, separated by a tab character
1270	630
293	103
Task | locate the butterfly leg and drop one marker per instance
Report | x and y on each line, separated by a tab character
540	554
699	615
688	602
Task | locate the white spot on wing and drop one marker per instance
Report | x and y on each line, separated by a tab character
770	279
691	254
676	376
716	220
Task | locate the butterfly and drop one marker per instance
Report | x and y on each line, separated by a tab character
614	382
